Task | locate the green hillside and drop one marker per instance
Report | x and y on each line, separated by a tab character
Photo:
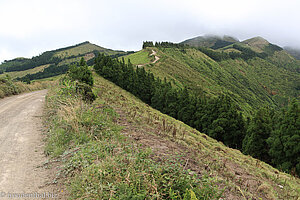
84	48
211	41
293	51
54	62
251	83
17	74
120	148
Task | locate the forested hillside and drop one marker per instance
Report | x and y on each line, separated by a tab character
120	148
57	61
244	94
233	99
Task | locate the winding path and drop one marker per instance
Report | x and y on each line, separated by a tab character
156	58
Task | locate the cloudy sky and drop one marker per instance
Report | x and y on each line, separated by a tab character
30	27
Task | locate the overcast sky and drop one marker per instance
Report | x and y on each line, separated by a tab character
30	27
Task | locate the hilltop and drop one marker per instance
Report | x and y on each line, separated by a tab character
54	62
211	41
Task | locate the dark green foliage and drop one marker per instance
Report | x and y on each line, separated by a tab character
25	64
248	53
285	139
170	45
220	44
83	79
227	124
147	44
70	47
52	70
27	80
270	49
86	91
259	130
217	117
163	45
81	73
215	55
10	87
274	137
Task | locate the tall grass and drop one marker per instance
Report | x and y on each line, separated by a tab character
8	87
101	163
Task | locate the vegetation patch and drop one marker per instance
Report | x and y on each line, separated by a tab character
138	58
104	164
9	87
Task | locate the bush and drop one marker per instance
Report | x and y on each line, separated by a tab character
81	73
79	81
86	91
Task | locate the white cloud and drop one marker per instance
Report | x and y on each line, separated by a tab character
33	26
25	19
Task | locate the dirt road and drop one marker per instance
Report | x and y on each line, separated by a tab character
156	58
21	146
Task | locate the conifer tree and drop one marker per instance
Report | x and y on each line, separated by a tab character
258	132
284	141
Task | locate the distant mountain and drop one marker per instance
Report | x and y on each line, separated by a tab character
254	72
256	43
55	62
55	56
293	51
211	41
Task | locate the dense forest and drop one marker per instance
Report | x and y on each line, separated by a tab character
52	70
272	136
25	64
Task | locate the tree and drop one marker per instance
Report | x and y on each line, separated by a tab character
81	73
285	139
258	132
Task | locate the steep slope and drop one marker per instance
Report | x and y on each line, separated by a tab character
256	43
251	83
293	51
211	41
94	157
83	49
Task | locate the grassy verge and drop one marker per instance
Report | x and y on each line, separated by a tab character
120	148
102	163
8	87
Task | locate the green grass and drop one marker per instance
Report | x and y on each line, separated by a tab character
138	58
84	49
75	52
23	73
251	84
102	161
106	165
